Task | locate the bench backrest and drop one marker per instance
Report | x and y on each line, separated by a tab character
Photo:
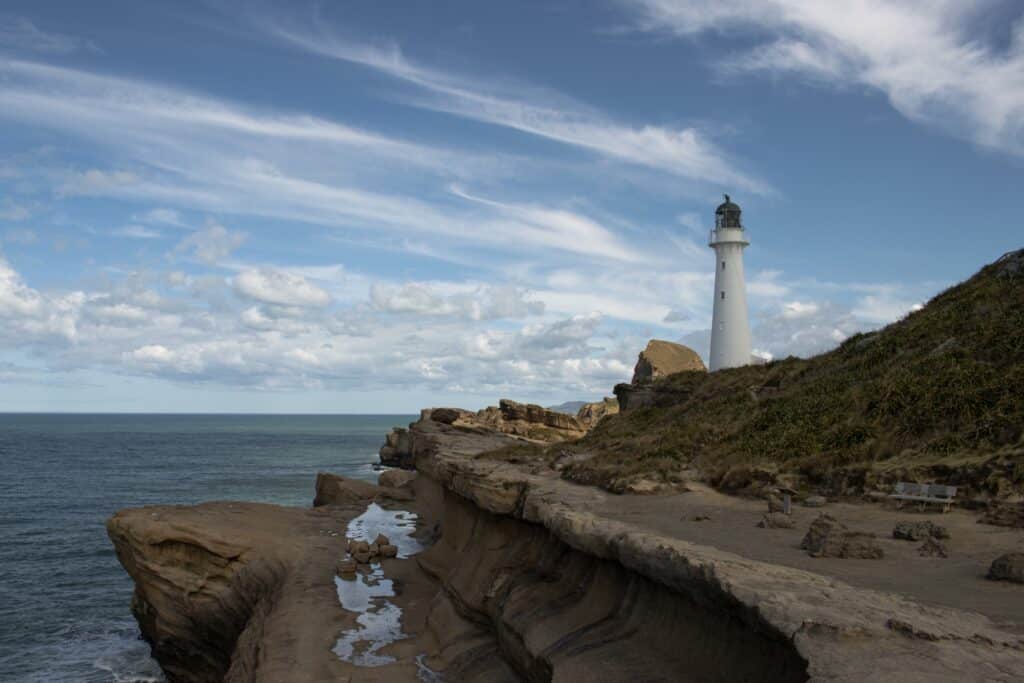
941	491
907	488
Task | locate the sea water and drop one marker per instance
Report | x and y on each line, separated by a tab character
64	599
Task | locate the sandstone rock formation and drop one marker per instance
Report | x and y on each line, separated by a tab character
395	478
210	580
656	362
397	449
523	421
842	633
828	537
590	414
334	490
664	358
531	584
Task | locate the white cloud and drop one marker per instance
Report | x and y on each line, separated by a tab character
684	152
933	60
21	34
472	302
280	287
137	232
212	244
884	307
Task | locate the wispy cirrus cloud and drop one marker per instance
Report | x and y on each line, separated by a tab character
933	60
21	34
199	152
686	152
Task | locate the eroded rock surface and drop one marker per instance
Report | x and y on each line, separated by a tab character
332	489
663	358
843	633
215	584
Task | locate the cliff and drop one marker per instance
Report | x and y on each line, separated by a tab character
526	577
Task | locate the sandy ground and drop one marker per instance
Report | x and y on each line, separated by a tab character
957	581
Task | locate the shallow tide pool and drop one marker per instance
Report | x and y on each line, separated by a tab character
380	620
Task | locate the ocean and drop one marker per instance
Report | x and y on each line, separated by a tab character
64	599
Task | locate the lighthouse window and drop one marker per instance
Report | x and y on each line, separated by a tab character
723	265
723	295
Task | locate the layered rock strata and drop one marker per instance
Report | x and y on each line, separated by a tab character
527	585
839	632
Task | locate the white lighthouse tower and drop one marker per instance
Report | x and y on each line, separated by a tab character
730	327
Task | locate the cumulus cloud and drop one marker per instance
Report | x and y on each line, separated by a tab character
212	244
483	302
280	287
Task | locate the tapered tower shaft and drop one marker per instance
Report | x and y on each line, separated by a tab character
730	324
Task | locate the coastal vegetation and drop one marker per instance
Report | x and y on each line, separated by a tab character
938	396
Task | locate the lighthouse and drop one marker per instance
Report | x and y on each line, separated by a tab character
730	327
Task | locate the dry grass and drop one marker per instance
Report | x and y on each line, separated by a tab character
938	395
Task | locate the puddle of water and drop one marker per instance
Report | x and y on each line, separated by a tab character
379	620
397	525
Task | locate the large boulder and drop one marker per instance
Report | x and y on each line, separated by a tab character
1008	567
828	537
663	358
334	490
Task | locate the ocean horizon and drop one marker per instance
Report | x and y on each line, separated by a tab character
65	598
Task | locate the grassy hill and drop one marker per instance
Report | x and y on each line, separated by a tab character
937	396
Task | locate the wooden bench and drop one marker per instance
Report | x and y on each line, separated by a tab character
924	494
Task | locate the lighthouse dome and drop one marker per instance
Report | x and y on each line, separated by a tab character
727	215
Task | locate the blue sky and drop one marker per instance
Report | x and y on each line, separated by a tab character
376	207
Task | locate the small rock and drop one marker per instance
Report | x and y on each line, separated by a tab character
388	550
701	518
775	520
933	547
916	531
347	567
382	540
374	550
361	557
359	547
1008	567
815	501
1004	514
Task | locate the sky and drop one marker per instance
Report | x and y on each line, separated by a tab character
351	207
